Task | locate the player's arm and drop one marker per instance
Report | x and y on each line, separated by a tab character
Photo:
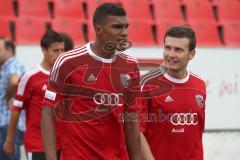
146	153
8	146
132	135
48	133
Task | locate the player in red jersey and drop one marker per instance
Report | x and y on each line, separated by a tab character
173	123
87	91
30	93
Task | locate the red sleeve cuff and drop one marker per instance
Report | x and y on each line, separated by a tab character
16	108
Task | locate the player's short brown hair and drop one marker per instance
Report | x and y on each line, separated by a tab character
68	42
182	31
50	37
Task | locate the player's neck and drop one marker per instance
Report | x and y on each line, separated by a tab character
98	49
46	66
176	74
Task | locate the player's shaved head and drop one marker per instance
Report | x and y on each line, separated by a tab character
182	31
107	9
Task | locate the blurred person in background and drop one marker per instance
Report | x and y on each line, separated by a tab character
10	72
175	132
68	42
29	95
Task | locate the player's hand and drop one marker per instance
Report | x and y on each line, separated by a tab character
8	148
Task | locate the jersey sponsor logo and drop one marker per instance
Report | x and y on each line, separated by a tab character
50	95
17	103
200	100
125	79
108	99
184	119
177	130
91	78
168	99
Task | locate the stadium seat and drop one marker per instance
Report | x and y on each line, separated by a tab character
6	9
206	33
215	2
5	28
162	27
231	30
199	10
137	10
190	1
141	33
92	5
228	10
69	9
73	28
90	31
34	8
165	10
29	30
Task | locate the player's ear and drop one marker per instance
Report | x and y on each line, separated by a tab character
98	29
192	54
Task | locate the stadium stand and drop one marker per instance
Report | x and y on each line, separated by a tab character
29	30
141	33
163	10
206	32
162	27
220	1
228	10
155	16
138	10
6	9
190	1
69	9
199	10
73	28
36	8
231	30
5	28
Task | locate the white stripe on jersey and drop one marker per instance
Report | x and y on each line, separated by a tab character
66	58
24	79
17	103
62	58
197	76
148	76
128	57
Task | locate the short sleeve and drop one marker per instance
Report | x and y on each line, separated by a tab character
24	91
51	97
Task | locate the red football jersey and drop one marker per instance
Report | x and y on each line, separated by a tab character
173	123
87	93
30	93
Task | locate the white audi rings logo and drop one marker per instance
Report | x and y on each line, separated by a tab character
108	99
184	119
